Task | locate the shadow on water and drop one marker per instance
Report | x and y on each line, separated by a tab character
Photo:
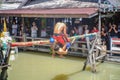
65	76
61	77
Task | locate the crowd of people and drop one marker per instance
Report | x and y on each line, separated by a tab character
107	31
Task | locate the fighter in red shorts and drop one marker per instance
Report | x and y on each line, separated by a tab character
60	36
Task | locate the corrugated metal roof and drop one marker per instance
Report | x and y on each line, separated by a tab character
12	4
54	8
12	0
116	3
70	12
59	4
6	6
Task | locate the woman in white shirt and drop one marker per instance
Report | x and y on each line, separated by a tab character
14	28
34	30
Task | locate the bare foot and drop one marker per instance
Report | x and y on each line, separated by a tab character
53	55
61	56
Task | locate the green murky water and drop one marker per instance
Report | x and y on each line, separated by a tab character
41	66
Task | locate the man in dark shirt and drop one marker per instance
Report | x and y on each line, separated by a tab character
113	30
1	29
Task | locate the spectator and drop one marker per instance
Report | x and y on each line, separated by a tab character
86	30
113	30
80	30
21	30
75	45
94	30
27	32
1	27
73	33
119	30
76	30
14	28
43	33
83	45
104	35
34	30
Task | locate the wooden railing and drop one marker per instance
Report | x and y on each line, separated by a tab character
79	47
115	45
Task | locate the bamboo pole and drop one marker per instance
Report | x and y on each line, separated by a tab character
31	43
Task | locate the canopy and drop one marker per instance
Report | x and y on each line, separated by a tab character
56	13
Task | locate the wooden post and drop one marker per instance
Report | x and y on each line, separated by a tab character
24	35
91	57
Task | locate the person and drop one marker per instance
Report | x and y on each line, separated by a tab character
94	29
73	33
103	35
113	33
85	31
75	45
1	27
14	29
21	30
34	30
43	33
80	29
61	39
113	30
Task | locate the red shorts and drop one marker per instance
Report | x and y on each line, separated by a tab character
61	39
